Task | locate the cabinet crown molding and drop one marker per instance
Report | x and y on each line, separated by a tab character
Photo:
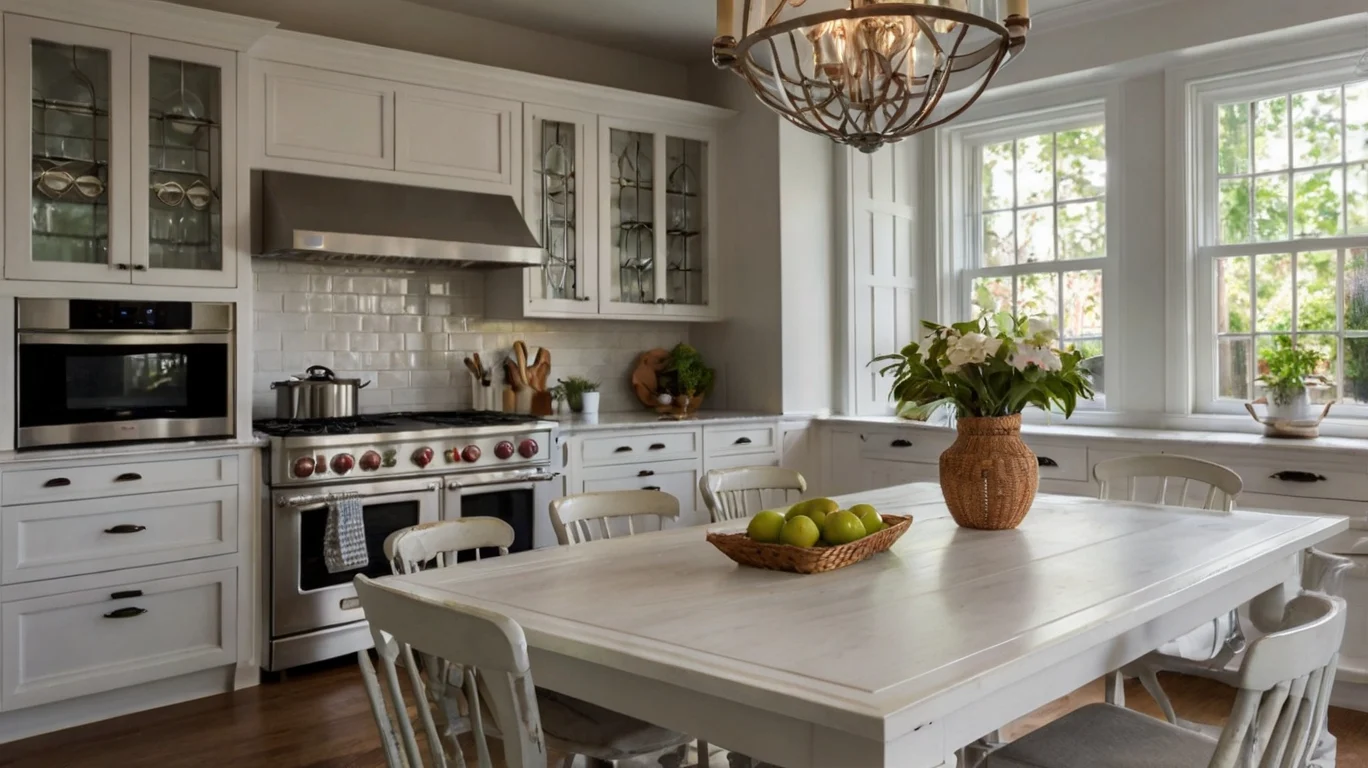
152	19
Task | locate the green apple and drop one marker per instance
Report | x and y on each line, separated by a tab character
873	522
766	527
800	532
796	510
842	527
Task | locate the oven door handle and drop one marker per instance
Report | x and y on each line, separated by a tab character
503	478
123	338
323	499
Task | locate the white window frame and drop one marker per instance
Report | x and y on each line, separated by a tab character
1202	208
959	196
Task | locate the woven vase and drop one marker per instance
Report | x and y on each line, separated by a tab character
989	477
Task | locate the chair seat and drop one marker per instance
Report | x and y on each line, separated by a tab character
576	726
1104	736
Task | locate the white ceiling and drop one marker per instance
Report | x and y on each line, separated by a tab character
680	30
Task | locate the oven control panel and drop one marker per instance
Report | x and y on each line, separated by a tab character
436	455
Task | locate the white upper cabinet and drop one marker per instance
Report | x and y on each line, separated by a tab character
559	201
327	117
131	147
446	133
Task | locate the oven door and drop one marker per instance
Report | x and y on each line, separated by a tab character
304	595
514	497
90	387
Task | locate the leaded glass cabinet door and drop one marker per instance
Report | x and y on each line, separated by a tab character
688	272
66	152
185	161
560	203
631	161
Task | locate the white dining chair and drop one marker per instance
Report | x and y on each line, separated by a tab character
574	727
733	494
589	517
1284	692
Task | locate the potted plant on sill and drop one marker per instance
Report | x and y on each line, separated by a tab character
1288	373
988	371
580	393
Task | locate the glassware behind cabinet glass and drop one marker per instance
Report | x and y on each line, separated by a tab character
632	214
559	197
185	160
685	234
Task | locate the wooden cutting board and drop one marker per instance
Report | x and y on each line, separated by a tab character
646	375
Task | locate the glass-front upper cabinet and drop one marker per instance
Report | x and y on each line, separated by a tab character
561	208
130	150
657	238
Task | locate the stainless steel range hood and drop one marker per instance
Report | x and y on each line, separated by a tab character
325	219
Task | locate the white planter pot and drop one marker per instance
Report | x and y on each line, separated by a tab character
1295	408
591	403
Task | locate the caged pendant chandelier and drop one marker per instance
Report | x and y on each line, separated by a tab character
869	72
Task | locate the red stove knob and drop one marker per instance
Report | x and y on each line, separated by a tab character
504	449
471	453
528	448
303	467
422	457
342	463
370	461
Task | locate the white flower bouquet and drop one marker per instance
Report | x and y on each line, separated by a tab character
994	366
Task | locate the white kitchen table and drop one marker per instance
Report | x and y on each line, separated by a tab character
897	661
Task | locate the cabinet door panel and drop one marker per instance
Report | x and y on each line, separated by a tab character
445	133
331	118
679	479
631	159
561	207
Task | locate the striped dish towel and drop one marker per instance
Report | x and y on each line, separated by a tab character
344	538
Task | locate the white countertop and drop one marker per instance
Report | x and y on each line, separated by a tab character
574	422
131	450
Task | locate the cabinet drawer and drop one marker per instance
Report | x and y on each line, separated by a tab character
770	459
460	135
1061	462
44	541
327	117
25	486
1306	480
922	446
636	447
64	646
752	438
677	478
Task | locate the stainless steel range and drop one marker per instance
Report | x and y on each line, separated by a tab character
407	468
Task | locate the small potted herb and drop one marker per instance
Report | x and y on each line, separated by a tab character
581	394
687	378
1286	372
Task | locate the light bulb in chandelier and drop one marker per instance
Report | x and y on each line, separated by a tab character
869	72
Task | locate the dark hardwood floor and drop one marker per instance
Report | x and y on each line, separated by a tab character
320	719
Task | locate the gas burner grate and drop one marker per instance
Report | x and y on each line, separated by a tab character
466	418
337	426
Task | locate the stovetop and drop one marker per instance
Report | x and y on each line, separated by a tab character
380	423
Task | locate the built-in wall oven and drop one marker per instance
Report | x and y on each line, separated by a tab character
93	371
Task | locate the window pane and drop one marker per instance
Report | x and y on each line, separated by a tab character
1035	235
1270	208
1038	296
1320	203
992	294
997	176
1083	230
1316	120
1316	274
1273	292
1356	122
1233	311
1328	347
1234	205
1356	370
1233	368
1035	170
1356	291
1357	192
1082	304
999	244
1270	134
1082	163
1233	139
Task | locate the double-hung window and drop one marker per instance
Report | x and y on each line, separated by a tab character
1281	232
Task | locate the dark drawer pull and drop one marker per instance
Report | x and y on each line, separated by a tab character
623	449
126	528
1046	461
57	482
125	613
657	446
650	487
126	594
901	444
646	473
127	477
1290	476
742	441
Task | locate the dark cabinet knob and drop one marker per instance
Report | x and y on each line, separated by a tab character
126	594
741	441
623	449
128	477
1292	476
901	444
646	473
657	446
1046	461
126	528
125	613
650	487
57	482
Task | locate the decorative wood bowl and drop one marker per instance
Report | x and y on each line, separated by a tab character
783	557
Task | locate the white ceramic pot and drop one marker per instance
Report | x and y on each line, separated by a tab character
1295	408
590	401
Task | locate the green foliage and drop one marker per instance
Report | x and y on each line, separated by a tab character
686	374
1289	368
994	366
573	390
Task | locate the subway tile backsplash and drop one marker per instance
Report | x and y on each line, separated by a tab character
407	332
